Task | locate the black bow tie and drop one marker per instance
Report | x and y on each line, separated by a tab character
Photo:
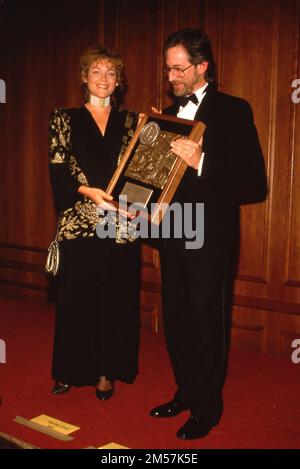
183	100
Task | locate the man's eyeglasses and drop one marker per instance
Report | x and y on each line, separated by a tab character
177	71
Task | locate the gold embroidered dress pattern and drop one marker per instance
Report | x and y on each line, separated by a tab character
82	218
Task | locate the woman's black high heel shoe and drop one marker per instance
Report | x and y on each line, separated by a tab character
60	388
104	395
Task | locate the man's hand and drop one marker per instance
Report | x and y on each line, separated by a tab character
155	110
188	150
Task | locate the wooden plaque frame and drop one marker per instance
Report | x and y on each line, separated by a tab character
162	196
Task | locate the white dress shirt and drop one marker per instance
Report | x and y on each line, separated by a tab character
189	112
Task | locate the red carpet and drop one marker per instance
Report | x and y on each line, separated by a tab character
261	395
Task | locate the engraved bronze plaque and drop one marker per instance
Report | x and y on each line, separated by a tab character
152	164
149	172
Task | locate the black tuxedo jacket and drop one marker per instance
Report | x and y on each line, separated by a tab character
233	171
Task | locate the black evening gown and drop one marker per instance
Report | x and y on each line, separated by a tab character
97	316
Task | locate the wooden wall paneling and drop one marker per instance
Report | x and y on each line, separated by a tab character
151	256
41	44
264	331
252	52
138	31
248	331
150	312
287	337
176	15
109	23
246	56
213	18
151	288
257	55
13	201
285	227
22	272
292	273
256	47
136	36
191	14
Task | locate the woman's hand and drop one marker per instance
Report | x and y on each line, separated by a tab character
103	200
98	196
141	116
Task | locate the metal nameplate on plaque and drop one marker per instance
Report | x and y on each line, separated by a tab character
136	194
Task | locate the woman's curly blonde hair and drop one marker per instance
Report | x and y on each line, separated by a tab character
92	55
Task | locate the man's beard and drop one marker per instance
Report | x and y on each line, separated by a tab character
182	91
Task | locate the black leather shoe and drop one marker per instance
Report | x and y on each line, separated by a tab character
170	409
60	388
194	428
216	410
104	395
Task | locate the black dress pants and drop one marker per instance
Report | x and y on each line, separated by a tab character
197	292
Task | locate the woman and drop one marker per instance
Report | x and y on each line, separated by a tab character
97	317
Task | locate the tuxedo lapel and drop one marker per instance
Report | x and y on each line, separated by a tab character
206	105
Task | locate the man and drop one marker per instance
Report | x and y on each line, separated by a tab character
197	283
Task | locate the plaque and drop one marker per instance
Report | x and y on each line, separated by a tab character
149	172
